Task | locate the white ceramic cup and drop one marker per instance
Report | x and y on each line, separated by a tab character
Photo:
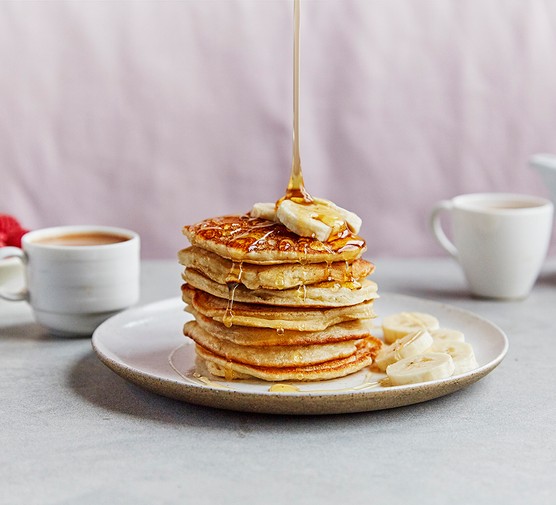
500	240
74	288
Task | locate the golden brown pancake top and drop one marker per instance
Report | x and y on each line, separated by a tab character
250	239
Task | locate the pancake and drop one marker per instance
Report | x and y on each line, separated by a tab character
222	367
281	276
329	294
272	356
252	336
257	240
268	316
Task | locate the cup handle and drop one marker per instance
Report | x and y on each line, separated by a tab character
437	230
14	252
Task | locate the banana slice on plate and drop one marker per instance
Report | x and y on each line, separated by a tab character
462	354
422	368
447	335
398	325
406	347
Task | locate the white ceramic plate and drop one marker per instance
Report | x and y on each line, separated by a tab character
145	345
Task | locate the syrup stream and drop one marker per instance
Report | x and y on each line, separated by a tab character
296	186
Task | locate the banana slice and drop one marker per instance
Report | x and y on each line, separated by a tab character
352	220
264	211
406	347
319	219
447	335
398	325
423	368
301	220
462	355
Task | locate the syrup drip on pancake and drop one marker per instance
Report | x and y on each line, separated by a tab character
233	280
228	318
328	271
236	272
302	292
349	278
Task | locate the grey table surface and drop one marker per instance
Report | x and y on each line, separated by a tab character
72	431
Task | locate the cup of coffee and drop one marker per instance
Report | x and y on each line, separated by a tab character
77	276
500	240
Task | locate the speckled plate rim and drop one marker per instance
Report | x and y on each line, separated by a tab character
138	328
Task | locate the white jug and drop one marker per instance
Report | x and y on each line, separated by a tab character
546	165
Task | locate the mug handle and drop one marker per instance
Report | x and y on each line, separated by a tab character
14	252
437	230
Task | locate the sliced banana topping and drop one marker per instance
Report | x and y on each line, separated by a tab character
301	220
320	219
398	325
329	211
264	211
425	367
409	346
462	354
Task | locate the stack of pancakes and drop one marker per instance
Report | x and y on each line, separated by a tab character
276	306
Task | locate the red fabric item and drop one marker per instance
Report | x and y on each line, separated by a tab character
14	238
10	231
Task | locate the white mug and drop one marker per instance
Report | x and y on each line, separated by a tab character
500	240
77	276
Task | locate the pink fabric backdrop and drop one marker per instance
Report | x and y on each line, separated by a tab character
152	115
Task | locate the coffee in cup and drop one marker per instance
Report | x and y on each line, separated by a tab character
83	239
